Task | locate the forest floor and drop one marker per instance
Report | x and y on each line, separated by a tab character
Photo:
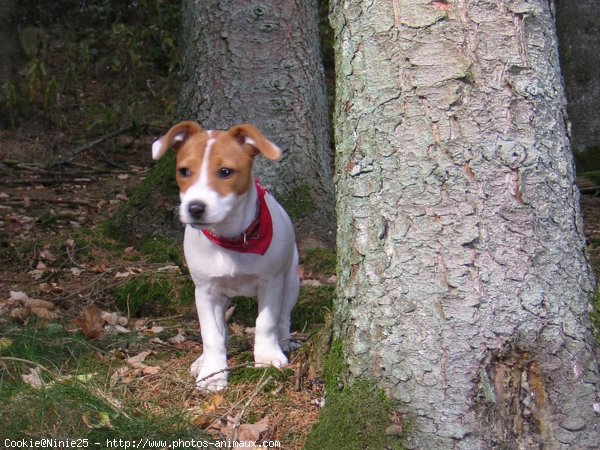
92	316
97	335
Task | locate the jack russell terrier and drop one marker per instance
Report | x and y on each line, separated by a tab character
238	241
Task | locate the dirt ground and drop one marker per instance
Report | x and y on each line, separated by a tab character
51	206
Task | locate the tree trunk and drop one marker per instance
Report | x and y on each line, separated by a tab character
259	62
464	286
578	26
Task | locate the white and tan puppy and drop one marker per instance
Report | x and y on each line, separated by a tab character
238	241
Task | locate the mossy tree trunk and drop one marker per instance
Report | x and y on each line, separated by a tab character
259	62
255	62
464	287
578	26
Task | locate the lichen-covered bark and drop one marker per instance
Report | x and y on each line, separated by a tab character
463	285
259	62
578	25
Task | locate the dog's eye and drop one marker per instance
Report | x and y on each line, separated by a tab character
225	172
185	172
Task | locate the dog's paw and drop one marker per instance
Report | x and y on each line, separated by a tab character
273	357
213	383
209	376
290	345
197	366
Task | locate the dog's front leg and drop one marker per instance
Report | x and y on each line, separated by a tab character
209	369
267	351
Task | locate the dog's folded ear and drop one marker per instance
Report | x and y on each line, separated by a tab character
175	138
252	139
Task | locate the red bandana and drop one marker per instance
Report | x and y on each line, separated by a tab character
258	235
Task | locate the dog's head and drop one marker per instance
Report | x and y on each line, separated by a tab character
214	168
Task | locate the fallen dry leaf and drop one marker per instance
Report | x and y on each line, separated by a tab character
19	314
236	329
33	378
116	329
36	303
154	330
113	318
18	295
49	288
122	274
203	416
252	431
44	313
137	361
249	432
46	253
91	322
177	339
118	375
36	274
150	370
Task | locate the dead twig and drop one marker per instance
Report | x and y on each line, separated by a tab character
226	369
589	190
61	160
257	390
55	201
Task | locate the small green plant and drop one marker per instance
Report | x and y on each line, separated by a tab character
37	91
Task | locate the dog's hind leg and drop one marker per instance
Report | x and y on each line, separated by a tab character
291	289
267	351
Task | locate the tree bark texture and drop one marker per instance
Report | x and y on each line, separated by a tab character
464	286
578	25
259	62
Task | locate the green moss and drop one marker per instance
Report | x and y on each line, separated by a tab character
320	261
312	307
355	416
254	375
153	295
299	202
160	183
161	250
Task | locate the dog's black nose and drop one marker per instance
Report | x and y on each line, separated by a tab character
196	209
